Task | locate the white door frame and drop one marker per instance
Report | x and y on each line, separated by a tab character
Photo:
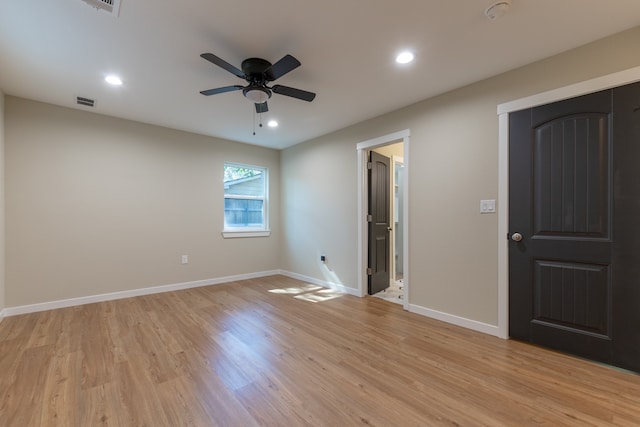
363	148
594	85
395	161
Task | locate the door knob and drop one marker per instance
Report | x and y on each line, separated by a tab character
389	228
516	237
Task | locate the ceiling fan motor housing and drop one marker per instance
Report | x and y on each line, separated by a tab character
255	68
256	72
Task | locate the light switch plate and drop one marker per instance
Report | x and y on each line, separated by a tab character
487	206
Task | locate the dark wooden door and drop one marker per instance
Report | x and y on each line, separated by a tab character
574	198
379	222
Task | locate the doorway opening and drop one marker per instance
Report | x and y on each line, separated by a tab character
383	238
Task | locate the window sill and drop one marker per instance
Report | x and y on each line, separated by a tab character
228	234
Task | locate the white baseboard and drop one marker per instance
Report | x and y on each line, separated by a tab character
438	315
456	320
323	283
32	308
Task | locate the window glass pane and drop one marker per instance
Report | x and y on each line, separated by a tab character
243	213
248	186
245	196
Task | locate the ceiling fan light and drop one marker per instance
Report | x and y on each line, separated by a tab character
257	94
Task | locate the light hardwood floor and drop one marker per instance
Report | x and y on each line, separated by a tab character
255	353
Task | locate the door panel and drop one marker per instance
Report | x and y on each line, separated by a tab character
379	210
571	173
560	202
573	296
574	278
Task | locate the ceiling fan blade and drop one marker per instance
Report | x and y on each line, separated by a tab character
282	67
223	64
221	90
262	108
293	92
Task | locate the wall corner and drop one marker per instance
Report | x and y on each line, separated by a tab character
2	208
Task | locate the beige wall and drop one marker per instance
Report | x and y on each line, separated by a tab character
96	205
317	211
453	162
2	214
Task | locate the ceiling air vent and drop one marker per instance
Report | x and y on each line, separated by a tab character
87	102
110	6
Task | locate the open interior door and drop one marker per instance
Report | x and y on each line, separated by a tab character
379	219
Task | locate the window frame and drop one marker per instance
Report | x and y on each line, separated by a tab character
247	231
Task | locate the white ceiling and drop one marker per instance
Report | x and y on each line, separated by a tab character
55	50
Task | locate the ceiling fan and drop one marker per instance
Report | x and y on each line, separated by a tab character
258	72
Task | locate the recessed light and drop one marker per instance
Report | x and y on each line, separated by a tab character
404	57
113	80
272	124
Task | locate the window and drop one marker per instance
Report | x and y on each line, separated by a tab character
245	201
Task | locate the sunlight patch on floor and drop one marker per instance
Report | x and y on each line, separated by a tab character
320	296
297	290
309	292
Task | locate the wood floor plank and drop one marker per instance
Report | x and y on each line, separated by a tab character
61	392
201	388
97	348
276	351
24	398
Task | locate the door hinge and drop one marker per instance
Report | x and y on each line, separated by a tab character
369	271
369	218
369	165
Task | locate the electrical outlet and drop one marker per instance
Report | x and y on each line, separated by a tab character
323	258
185	259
